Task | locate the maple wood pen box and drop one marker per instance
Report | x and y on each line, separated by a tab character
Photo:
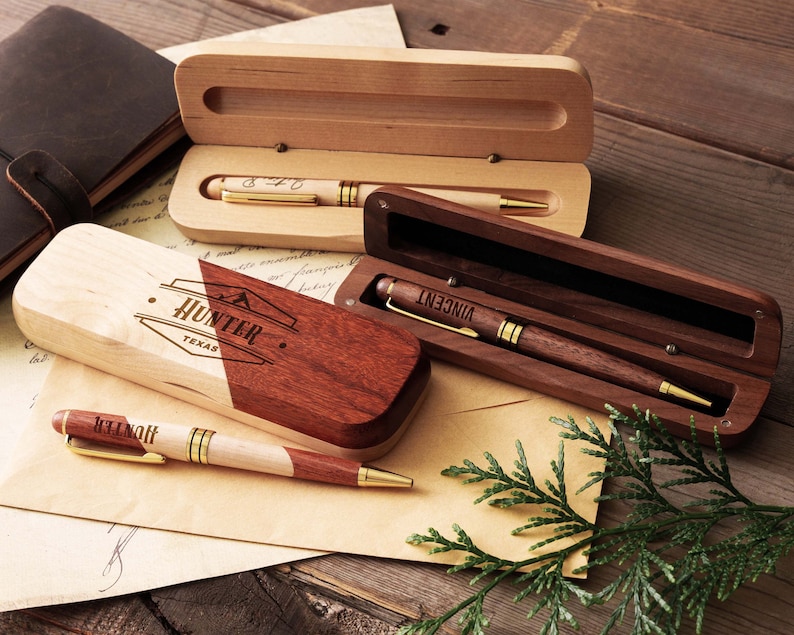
717	338
516	125
298	367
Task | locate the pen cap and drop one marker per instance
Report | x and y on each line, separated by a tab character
308	371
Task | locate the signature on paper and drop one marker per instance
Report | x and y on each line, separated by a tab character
115	566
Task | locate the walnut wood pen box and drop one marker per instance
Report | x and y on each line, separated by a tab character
716	338
517	126
306	370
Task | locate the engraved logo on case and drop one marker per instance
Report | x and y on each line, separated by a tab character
222	321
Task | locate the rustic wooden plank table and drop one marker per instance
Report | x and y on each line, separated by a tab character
692	163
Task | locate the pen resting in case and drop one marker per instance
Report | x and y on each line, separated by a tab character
575	319
308	371
471	125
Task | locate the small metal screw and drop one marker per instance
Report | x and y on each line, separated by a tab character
672	349
350	302
726	423
494	158
281	147
452	281
383	204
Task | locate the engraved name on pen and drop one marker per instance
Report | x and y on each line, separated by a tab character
446	305
144	434
291	183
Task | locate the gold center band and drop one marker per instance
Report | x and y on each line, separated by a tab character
198	442
508	333
347	194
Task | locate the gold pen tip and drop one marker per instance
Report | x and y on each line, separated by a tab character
682	393
373	477
516	205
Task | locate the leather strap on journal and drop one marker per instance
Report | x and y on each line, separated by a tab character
50	188
85	109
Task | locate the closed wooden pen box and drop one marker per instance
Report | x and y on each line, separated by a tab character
717	339
306	370
497	125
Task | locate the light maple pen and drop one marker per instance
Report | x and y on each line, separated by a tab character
296	191
160	440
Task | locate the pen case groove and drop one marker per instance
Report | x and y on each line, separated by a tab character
249	350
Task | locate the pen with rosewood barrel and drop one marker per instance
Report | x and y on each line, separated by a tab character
495	327
160	440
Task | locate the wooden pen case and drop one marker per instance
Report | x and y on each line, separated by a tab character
517	125
303	369
713	336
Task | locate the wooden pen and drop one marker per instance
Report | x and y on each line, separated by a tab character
265	190
496	327
159	440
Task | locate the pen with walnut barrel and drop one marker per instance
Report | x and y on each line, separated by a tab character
160	440
495	327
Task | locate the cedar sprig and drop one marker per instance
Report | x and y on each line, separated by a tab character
669	564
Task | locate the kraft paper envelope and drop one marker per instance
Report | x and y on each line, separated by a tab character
464	415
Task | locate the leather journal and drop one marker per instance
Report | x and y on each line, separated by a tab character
86	114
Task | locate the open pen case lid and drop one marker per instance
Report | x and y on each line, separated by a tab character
519	125
714	336
266	356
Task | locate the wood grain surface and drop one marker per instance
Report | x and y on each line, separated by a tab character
692	163
225	341
628	304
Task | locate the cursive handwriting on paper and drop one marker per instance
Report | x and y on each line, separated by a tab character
115	565
310	272
38	356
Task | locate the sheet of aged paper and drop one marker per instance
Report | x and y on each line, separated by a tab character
48	559
464	415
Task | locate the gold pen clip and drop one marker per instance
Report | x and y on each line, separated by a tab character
462	330
150	457
269	197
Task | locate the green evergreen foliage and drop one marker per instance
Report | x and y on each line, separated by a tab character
670	565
